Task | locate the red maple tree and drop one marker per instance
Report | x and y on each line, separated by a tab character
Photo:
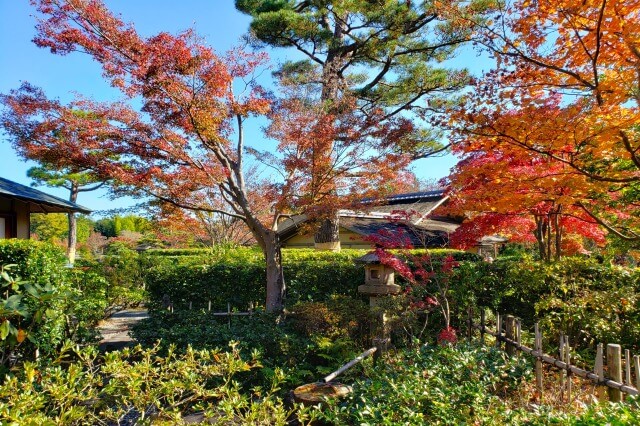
524	196
187	138
564	87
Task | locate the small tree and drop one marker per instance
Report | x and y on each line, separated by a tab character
74	182
188	137
381	56
428	281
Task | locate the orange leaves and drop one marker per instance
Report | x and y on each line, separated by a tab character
334	159
565	95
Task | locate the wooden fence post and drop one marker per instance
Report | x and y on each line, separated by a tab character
627	367
561	356
614	364
636	362
190	305
567	350
498	329
483	324
229	314
509	329
599	370
209	309
538	348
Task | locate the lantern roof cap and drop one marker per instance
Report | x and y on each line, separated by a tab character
372	258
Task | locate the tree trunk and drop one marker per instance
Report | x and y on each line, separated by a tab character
540	234
73	225
328	235
548	259
275	274
558	229
269	242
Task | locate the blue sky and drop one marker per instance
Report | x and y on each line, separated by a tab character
62	76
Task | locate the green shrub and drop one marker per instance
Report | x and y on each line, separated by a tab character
237	276
37	300
58	302
40	263
339	317
142	387
303	357
580	297
431	385
456	385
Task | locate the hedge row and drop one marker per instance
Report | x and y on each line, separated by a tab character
40	263
239	277
580	297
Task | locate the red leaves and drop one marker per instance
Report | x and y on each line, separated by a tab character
333	159
560	97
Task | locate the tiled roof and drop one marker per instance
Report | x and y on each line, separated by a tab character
40	201
431	234
427	231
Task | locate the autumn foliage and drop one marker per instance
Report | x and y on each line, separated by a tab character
552	128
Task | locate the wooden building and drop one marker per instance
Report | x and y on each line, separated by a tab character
423	227
17	202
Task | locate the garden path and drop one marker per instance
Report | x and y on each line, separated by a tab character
115	329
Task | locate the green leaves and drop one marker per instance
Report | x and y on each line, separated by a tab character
5	328
139	383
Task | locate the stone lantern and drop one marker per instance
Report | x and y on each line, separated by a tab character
378	284
378	278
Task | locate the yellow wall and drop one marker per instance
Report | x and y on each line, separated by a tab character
348	239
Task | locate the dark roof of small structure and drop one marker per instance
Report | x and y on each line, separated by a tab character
369	258
431	234
39	201
377	219
492	239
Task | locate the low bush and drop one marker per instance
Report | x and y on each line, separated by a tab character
38	299
136	386
455	385
303	357
46	302
339	317
432	385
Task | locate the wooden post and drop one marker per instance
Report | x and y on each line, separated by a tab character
636	363
614	364
250	309
190	305
509	329
483	325
498	329
567	350
469	323
209	309
599	370
561	356
538	348
627	367
518	331
229	314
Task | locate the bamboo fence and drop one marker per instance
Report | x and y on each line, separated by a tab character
611	372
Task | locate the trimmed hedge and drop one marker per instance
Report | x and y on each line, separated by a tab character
589	301
40	263
238	277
